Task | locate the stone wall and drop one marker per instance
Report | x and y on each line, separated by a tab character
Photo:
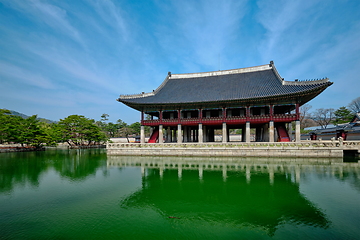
332	149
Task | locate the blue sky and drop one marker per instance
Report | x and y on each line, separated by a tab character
59	58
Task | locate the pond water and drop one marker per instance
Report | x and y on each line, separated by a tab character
85	194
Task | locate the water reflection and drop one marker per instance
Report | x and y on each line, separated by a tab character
241	192
19	169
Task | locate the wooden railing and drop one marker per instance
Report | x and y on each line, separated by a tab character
220	120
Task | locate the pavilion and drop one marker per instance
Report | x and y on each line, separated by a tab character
189	107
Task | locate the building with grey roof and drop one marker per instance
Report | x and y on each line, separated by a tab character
191	106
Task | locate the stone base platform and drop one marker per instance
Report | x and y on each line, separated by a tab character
329	149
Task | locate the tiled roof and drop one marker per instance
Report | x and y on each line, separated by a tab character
239	84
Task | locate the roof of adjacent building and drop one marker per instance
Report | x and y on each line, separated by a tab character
244	85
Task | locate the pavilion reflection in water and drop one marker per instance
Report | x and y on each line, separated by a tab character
263	193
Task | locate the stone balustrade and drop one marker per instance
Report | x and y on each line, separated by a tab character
262	149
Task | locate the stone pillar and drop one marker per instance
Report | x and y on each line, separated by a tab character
258	134
205	134
208	134
247	132
224	133
290	130
266	133
179	139
201	137
168	135
185	133
271	131
297	131
142	134
189	134
161	135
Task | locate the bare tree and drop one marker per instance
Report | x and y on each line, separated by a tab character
354	106
323	116
304	115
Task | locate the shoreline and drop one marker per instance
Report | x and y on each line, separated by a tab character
17	148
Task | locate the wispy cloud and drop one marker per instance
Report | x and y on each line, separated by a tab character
50	14
285	23
202	29
112	15
78	56
23	76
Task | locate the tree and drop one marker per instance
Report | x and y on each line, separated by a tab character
323	116
5	122
342	115
305	116
29	131
104	117
111	129
135	128
79	130
354	106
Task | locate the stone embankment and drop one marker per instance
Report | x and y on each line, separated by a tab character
17	148
88	146
322	149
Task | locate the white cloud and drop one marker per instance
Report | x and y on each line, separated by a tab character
285	23
11	72
112	15
52	15
198	32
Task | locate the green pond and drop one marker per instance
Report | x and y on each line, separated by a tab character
85	194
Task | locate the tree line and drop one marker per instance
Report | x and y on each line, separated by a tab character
325	116
76	130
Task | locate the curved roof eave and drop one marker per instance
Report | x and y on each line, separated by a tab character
302	97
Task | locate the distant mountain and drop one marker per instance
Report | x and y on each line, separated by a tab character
15	113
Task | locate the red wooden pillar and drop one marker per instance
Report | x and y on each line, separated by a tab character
160	117
297	112
179	115
271	112
142	118
248	113
224	114
200	115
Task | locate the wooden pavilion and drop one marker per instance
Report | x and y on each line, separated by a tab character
189	107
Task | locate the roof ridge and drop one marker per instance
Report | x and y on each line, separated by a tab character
143	94
306	82
272	65
222	72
